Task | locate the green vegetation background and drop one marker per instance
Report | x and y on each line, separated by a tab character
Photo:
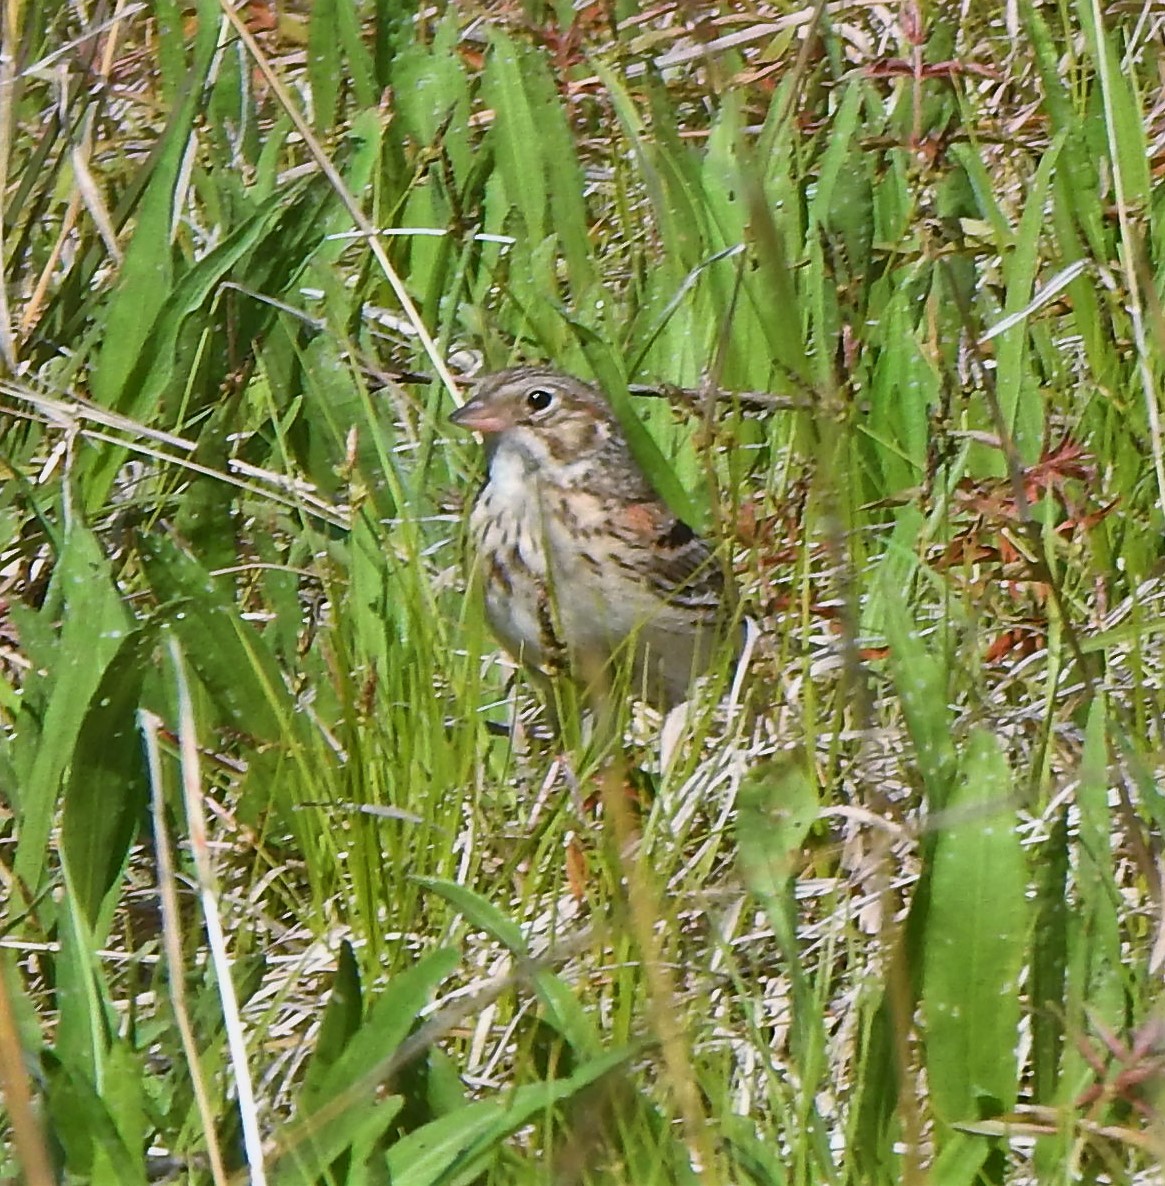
282	902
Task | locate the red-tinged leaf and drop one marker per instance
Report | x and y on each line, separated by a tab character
1014	643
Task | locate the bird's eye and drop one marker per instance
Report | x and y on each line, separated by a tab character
539	399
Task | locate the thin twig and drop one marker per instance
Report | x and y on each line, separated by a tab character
756	401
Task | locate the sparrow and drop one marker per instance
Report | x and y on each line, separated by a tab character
586	572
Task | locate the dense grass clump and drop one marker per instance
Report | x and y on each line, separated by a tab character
296	890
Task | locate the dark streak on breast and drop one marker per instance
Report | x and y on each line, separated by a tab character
499	577
554	653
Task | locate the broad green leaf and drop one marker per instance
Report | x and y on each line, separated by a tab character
454	1149
515	134
144	282
431	95
1081	188
80	1119
156	360
338	1026
777	806
390	1018
372	614
922	682
1020	396
358	1131
94	624
877	1082
231	659
479	912
125	1093
563	1009
904	389
776	278
1053	922
106	794
325	66
172	46
754	1160
687	220
82	1031
205	520
724	297
960	1162
270	156
976	937
1095	978
1124	122
155	373
843	203
531	98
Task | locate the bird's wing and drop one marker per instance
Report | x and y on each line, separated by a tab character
668	555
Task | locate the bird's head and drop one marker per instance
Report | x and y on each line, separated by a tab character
553	419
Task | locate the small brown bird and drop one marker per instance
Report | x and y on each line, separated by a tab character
581	562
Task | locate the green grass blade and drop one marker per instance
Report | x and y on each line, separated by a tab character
94	624
106	793
232	661
456	1148
976	942
1020	397
145	276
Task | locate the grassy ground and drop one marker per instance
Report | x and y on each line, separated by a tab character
293	894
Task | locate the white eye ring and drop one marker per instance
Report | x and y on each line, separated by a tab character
539	399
